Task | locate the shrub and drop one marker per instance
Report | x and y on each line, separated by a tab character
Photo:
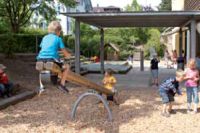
19	43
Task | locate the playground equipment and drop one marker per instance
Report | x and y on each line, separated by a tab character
52	67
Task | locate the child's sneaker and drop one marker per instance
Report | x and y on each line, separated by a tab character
40	91
189	111
172	111
193	112
63	88
165	114
157	84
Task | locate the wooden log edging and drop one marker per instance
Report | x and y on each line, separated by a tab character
4	103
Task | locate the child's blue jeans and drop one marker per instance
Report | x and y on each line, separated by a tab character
2	89
192	93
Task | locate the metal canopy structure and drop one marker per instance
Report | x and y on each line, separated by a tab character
136	19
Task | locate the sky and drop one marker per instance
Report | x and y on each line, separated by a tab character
123	3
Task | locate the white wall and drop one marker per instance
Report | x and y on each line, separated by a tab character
177	5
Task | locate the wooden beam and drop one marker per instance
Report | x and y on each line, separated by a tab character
82	81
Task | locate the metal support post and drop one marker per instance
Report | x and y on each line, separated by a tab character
77	46
188	51
193	38
141	60
180	42
102	51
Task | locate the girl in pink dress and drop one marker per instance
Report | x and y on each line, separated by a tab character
192	78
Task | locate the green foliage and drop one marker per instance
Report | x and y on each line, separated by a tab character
165	5
154	41
3	27
19	43
18	12
33	31
134	6
7	45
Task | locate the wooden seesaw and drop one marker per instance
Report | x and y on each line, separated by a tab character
79	80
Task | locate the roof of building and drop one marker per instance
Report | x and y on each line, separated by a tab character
114	46
106	9
136	19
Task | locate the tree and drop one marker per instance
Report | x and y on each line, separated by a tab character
133	7
165	5
18	12
154	41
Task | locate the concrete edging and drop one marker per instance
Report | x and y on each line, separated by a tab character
16	99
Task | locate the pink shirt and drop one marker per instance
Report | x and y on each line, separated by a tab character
192	74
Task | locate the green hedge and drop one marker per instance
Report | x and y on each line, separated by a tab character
19	43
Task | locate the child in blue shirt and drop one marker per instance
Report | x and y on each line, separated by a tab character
50	46
168	89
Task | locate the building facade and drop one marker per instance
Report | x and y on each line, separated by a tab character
192	4
173	35
37	21
106	9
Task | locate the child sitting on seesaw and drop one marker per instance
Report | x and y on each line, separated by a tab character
5	85
50	46
109	82
168	89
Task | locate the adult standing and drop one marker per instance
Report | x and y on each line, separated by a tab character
167	58
174	56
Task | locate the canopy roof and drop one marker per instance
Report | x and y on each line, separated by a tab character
136	19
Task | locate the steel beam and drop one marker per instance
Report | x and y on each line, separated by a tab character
102	51
77	46
180	42
193	38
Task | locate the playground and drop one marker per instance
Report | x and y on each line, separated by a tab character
67	66
139	109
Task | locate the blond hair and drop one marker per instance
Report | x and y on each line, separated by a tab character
191	63
54	27
180	73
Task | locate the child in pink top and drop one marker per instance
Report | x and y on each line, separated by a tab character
192	78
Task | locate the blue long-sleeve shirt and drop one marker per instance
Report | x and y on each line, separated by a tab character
170	84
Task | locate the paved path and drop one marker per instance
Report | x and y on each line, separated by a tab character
136	78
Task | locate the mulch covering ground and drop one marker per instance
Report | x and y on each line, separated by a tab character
138	112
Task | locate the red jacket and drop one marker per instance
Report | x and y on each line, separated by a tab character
3	78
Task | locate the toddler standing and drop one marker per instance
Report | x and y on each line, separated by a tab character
192	78
109	82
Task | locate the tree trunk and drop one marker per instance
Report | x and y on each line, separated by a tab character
15	28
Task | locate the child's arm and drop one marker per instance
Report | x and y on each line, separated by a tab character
104	81
186	77
178	91
65	53
197	77
113	80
